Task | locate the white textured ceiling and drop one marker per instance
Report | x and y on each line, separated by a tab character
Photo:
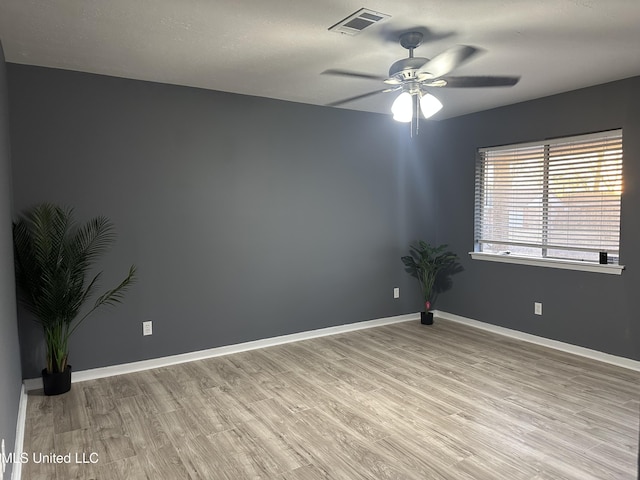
278	48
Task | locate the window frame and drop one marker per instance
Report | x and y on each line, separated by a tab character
542	261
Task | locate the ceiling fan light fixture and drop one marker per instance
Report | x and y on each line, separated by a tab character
402	108
429	105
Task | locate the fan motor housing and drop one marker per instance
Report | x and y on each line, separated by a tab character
406	68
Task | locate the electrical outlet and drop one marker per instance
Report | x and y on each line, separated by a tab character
396	293
537	308
147	328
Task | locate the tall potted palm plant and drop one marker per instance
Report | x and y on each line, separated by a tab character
425	262
53	260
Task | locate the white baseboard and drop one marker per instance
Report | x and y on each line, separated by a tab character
16	473
94	373
555	344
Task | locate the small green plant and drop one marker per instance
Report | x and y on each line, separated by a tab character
425	262
53	257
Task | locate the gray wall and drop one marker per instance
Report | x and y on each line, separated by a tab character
593	310
10	379
250	218
247	217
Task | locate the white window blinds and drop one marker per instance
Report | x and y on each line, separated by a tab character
553	199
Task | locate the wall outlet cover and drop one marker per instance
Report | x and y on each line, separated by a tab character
147	328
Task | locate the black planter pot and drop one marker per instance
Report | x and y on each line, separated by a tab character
426	318
57	382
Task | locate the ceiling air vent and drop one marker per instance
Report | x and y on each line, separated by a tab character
358	21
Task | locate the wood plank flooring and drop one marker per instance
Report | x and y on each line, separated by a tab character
403	401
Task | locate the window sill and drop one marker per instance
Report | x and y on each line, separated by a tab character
549	262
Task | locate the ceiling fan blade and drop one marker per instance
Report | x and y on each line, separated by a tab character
348	73
446	61
472	82
352	99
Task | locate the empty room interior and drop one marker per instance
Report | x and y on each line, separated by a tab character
269	173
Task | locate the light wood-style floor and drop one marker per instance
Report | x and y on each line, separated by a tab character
403	401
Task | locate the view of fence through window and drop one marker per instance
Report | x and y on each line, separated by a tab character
553	199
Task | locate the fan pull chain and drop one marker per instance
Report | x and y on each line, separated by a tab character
417	110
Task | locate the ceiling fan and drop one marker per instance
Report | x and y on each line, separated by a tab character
414	76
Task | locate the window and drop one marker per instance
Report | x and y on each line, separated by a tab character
556	200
